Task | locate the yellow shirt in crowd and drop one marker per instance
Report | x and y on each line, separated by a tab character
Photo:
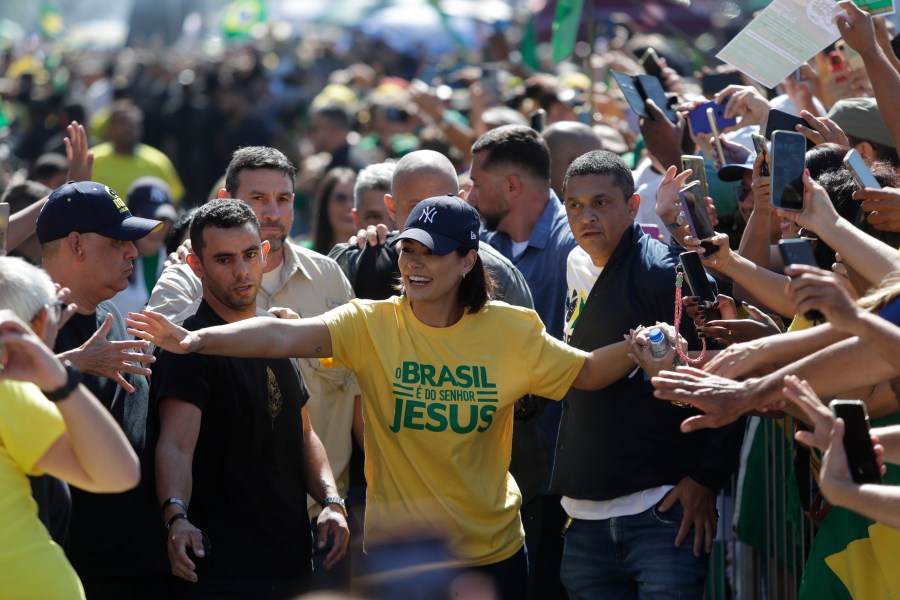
31	564
438	406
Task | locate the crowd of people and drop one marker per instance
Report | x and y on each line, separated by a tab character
251	323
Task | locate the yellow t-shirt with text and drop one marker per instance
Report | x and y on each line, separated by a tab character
438	406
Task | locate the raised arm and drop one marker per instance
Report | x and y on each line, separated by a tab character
858	31
260	337
93	453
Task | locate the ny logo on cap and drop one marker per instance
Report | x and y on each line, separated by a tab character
428	214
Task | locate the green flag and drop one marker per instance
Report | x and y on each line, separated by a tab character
565	28
240	16
528	46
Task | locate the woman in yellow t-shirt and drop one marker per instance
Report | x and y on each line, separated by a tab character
440	368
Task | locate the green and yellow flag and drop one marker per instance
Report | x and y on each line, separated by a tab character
241	16
50	19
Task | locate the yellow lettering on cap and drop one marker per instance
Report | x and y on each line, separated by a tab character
116	200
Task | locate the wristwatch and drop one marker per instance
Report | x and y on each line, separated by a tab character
73	378
678	223
332	500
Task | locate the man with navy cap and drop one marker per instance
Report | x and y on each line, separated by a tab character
87	237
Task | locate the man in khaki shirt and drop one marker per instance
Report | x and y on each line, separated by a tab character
296	278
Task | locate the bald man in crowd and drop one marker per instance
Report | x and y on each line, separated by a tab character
567	140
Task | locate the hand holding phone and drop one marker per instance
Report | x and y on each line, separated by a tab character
700	122
759	144
861	459
860	171
693	203
799	252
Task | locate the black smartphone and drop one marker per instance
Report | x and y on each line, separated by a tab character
860	170
781	121
713	83
857	442
695	276
759	144
693	203
538	119
788	164
699	121
632	93
652	89
650	61
799	252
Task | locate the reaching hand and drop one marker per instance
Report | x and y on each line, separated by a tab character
746	102
733	330
822	130
179	256
856	28
104	358
811	288
882	207
155	328
817	213
816	415
723	400
81	160
667	200
374	235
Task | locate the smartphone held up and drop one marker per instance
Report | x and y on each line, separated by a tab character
788	165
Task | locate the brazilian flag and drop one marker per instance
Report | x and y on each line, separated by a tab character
241	16
50	20
852	556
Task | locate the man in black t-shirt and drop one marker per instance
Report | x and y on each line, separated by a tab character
87	243
235	443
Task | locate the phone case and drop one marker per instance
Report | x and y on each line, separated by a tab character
759	144
857	441
694	207
698	167
700	123
695	277
860	171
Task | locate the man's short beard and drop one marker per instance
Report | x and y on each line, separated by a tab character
276	244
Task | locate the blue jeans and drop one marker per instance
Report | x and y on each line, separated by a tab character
632	557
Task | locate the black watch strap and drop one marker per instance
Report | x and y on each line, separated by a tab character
73	378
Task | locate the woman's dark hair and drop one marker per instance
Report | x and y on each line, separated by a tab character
476	288
323	232
178	230
826	167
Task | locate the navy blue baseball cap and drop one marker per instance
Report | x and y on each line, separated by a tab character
442	224
89	207
735	171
